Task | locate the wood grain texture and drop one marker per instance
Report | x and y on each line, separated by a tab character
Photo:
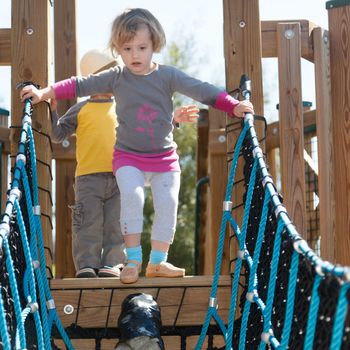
64	197
269	38
325	142
30	60
5	47
97	302
291	124
242	47
339	29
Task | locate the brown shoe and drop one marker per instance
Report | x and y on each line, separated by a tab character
164	269
130	273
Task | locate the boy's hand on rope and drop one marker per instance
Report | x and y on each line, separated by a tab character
242	108
186	114
36	95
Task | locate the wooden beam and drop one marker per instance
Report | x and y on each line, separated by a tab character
65	150
143	282
171	342
242	46
5	47
97	302
66	66
30	62
273	130
291	124
5	139
65	45
65	170
325	143
339	29
201	200
217	170
269	38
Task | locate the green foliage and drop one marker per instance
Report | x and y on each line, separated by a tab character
182	250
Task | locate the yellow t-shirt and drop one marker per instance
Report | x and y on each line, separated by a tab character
95	138
94	123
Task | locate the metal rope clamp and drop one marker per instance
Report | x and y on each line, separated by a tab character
34	307
227	206
15	192
213	302
250	296
265	336
36	210
4	229
50	304
21	157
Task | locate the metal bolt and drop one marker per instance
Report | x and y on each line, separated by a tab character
65	143
289	34
68	309
30	31
242	24
222	138
325	39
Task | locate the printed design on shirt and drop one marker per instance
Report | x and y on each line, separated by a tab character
146	115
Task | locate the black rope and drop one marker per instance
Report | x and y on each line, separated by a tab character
180	305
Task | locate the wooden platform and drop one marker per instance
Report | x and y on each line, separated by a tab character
96	304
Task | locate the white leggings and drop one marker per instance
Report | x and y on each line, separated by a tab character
165	192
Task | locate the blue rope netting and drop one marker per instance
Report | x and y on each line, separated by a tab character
283	295
27	310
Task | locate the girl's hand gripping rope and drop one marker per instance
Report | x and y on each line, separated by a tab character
242	108
37	95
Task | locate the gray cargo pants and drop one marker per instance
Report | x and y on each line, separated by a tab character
97	238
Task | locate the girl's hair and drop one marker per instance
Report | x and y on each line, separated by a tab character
124	28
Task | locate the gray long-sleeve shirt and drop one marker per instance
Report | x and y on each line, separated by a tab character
144	103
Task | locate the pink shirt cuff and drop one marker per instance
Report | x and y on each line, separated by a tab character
65	89
226	103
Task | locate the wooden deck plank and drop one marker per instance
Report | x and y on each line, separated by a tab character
170	342
97	303
98	283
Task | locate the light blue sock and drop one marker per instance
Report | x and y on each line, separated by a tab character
134	253
157	256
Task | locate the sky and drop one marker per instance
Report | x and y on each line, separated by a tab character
198	19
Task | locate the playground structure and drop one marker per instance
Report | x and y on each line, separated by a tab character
289	41
244	46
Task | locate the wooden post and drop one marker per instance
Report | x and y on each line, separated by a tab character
325	142
30	54
217	170
339	29
65	45
4	115
63	253
291	124
65	58
242	44
5	46
201	206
